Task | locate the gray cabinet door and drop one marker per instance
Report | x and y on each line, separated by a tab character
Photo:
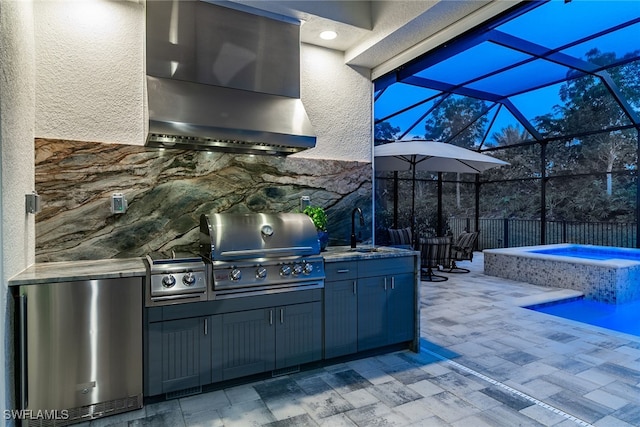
179	355
372	313
248	343
340	318
400	308
298	334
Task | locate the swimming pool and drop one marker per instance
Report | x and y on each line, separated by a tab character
592	252
601	273
622	317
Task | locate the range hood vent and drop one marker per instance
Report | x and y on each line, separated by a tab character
219	79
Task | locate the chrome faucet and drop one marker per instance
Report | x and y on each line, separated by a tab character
353	225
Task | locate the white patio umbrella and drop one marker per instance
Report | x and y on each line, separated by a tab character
432	156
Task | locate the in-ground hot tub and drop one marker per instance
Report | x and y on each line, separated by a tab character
602	273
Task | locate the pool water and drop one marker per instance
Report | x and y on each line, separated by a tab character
622	317
600	253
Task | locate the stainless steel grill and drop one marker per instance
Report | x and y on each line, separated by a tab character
175	278
253	254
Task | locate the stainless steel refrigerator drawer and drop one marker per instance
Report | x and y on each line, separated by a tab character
80	347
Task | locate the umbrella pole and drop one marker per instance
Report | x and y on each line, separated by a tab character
440	231
395	199
413	209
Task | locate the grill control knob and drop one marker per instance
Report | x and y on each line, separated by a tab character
297	270
261	272
235	275
168	281
285	270
189	279
308	268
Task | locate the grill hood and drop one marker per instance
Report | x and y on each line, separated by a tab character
220	79
231	236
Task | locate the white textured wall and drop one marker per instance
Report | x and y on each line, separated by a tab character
89	59
338	100
75	70
90	62
17	236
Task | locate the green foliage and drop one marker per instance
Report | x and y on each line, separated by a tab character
589	176
451	121
318	216
383	131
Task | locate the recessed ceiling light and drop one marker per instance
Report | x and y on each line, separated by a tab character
328	35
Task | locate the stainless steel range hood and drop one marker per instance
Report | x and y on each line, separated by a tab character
221	79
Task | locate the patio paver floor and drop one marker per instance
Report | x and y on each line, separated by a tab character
485	362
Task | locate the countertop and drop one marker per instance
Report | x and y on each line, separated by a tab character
69	271
345	253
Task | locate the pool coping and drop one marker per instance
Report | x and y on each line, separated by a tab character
546	298
526	252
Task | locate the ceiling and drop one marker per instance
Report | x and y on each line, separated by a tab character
382	34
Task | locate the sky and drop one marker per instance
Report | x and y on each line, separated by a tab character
569	21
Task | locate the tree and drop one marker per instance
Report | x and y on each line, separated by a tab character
384	131
510	135
457	120
513	193
589	105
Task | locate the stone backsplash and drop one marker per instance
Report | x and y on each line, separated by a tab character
168	190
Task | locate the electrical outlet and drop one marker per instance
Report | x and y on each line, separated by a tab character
118	203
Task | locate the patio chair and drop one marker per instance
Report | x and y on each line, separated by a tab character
462	250
435	253
400	237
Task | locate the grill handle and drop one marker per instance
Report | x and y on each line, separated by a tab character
23	360
174	297
275	251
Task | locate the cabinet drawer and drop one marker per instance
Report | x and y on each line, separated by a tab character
385	266
342	270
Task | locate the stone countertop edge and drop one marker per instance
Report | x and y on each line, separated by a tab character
346	253
70	271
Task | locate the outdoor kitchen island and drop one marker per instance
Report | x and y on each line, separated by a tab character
369	303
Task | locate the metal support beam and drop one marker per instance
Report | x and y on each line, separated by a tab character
522	119
538	51
473	93
395	199
426	113
474	119
440	231
486	132
638	191
467	41
449	88
608	82
476	225
543	193
384	82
